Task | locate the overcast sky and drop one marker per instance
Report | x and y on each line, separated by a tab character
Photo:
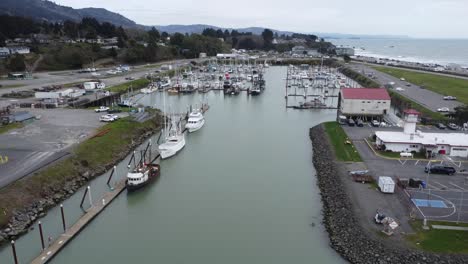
416	18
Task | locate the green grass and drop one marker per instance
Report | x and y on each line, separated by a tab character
343	152
412	104
136	84
443	85
90	155
6	128
440	241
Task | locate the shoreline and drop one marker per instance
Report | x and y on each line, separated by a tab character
346	235
22	219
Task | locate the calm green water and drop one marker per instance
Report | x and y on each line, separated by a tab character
242	191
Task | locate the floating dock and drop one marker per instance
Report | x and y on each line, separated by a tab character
49	252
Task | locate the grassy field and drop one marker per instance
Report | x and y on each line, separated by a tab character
90	155
343	151
440	241
136	84
443	85
412	104
4	129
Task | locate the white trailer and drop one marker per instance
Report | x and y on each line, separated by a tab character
386	184
47	95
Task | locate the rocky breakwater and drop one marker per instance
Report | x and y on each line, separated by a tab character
347	237
22	220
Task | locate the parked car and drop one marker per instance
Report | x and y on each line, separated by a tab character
440	169
359	123
443	109
402	79
408	84
449	97
351	122
108	118
375	123
399	89
130	78
453	126
101	109
441	126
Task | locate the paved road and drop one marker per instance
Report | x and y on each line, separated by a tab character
42	79
427	98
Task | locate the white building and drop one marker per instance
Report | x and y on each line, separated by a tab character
363	102
452	144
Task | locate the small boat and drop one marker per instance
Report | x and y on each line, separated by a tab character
125	103
142	175
195	121
255	90
316	103
150	89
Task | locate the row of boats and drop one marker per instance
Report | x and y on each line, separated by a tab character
173	143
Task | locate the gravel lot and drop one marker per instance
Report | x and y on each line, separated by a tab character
44	140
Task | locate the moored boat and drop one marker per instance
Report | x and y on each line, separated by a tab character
142	176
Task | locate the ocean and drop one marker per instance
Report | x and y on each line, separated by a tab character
438	51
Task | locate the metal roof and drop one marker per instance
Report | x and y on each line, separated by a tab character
365	93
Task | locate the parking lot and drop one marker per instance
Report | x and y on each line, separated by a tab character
44	140
444	198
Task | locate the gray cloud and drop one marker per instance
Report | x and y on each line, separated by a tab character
417	18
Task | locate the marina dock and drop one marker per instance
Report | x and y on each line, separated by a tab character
49	252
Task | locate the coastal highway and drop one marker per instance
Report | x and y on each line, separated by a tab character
427	98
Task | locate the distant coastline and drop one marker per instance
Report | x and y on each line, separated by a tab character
426	51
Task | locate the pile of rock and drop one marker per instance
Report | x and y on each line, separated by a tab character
346	235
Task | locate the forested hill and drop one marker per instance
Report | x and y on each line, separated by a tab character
51	12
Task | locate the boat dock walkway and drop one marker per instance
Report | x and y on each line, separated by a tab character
49	252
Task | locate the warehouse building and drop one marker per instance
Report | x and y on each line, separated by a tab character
364	103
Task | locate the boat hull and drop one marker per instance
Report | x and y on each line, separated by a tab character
167	152
192	128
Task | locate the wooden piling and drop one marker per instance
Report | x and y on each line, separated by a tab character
13	248
42	235
63	218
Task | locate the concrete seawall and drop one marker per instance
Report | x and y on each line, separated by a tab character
346	235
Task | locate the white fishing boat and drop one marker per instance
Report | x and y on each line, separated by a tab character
195	121
174	142
150	89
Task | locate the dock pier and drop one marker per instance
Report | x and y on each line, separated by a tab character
49	252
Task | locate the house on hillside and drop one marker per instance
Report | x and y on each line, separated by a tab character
19	50
4	52
341	51
363	102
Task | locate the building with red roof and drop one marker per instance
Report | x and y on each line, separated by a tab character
362	102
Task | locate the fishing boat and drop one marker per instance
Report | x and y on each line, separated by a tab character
142	175
195	121
174	141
